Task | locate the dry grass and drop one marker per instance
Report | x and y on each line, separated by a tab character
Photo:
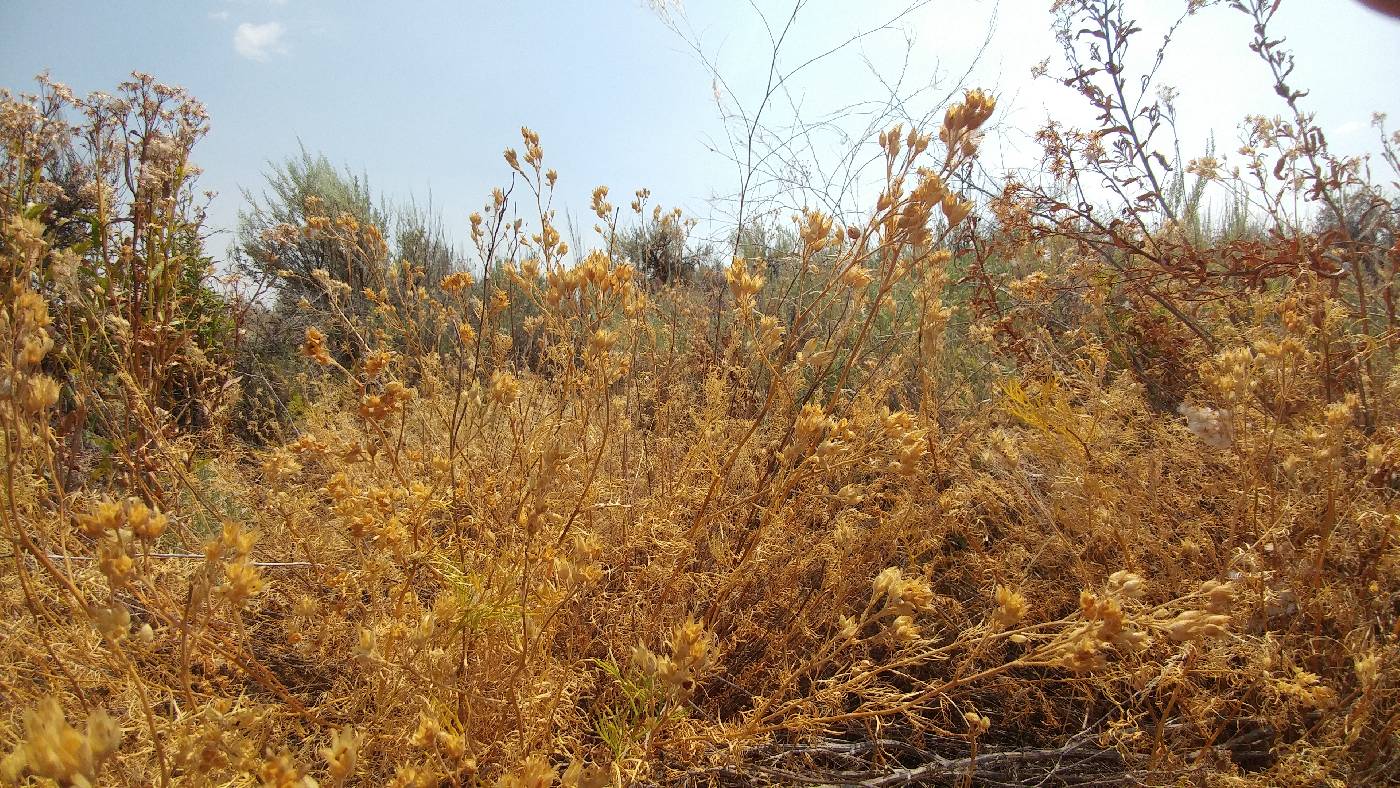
556	526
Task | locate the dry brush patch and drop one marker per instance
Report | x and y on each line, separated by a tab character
554	524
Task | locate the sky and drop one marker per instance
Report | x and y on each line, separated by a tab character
422	97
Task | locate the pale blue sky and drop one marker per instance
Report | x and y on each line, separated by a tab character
423	96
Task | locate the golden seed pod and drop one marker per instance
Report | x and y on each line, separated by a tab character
977	724
105	516
40	394
1011	607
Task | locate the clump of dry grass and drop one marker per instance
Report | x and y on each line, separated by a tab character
555	526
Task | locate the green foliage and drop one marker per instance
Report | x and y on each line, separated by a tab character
137	314
638	708
300	190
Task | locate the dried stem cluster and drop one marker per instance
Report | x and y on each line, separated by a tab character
1088	500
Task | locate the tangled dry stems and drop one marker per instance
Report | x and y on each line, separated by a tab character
555	526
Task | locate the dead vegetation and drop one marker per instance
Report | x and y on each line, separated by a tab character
1095	501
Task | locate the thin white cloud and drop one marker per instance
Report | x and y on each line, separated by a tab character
259	42
219	16
1348	128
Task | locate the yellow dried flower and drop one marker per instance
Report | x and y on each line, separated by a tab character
1127	584
53	749
856	277
342	754
904	630
505	389
114	562
105	516
535	772
884	582
314	346
955	209
280	772
1220	596
977	724
40	393
242	582
113	620
34	349
742	284
280	466
1011	607
1196	625
456	281
146	523
425	736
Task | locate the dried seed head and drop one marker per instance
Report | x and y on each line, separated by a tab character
342	753
742	284
535	772
955	209
1210	425
53	749
105	516
243	581
280	772
113	620
114	562
427	732
815	230
1126	584
314	346
146	523
884	582
1011	607
1196	625
34	349
904	630
505	389
976	723
1220	596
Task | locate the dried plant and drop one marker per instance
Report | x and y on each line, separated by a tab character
955	495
